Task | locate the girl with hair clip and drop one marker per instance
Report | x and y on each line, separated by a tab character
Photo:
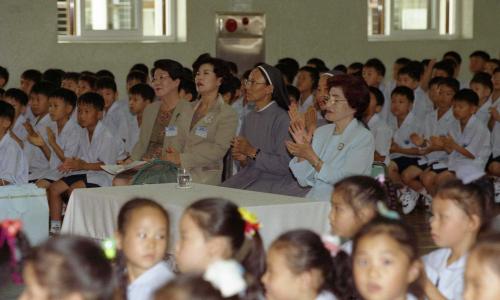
482	272
68	268
353	204
260	148
212	229
14	247
336	150
300	266
460	211
385	260
142	237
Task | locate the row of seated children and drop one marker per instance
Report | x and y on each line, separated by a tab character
377	256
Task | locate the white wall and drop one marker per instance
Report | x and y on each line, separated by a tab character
334	30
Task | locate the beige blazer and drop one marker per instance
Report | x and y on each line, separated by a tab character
208	142
181	119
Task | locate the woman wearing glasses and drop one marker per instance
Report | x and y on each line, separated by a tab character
336	150
260	148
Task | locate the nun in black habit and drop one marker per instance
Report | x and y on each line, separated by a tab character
260	149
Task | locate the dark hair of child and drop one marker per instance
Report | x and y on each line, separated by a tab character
43	88
140	67
404	91
144	90
305	251
32	75
293	91
105	73
379	96
93	99
68	96
413	69
357	67
475	198
453	55
189	287
7	111
317	62
4	73
90	79
232	85
218	217
292	63
18	95
446	65
402	61
481	54
106	83
188	86
467	95
53	76
74	76
287	71
341	68
137	75
313	72
483	79
435	81
377	65
70	264
451	83
233	67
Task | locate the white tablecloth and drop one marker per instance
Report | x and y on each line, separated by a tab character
93	212
29	204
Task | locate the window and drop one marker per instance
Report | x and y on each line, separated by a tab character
419	19
121	20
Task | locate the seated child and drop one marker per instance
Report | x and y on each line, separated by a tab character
68	267
468	140
482	272
114	117
70	81
230	89
18	99
135	77
459	212
28	80
142	222
307	82
382	134
62	140
13	164
96	147
444	68
355	68
482	85
409	76
140	95
86	83
4	77
187	90
373	74
433	91
493	166
38	157
293	93
190	287
477	61
491	65
404	153
386	261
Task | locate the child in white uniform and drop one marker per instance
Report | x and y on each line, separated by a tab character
482	85
114	118
382	133
494	164
18	99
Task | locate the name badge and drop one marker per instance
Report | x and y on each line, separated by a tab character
201	131
171	131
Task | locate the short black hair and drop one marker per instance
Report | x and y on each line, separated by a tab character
7	111
43	88
189	87
481	54
2	92
451	83
404	91
317	62
32	75
4	73
287	71
291	62
74	76
435	81
53	75
106	83
143	90
88	78
137	75
233	67
341	68
231	85
467	95
313	72
482	78
495	61
377	65
402	61
453	55
140	67
18	95
68	96
93	99
105	73
356	65
293	91
496	70
447	65
413	69
379	96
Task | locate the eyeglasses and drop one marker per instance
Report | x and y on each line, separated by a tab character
333	100
160	78
251	82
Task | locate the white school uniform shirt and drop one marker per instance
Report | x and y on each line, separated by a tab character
105	148
435	127
326	295
476	139
68	141
242	111
422	105
495	132
483	112
401	136
386	89
343	155
347	247
144	287
38	163
116	121
132	133
382	135
19	130
28	114
13	163
305	106
448	279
